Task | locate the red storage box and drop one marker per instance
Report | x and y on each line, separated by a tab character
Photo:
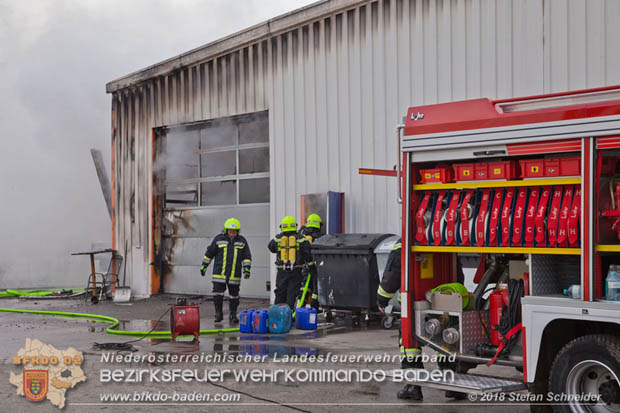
436	175
552	167
481	171
532	168
503	170
464	171
570	166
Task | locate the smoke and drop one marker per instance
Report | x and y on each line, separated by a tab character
55	60
183	152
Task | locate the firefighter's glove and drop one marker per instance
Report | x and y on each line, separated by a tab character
203	269
382	302
246	273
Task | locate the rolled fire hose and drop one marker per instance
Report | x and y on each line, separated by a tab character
451	288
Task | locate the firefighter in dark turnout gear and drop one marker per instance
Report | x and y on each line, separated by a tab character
312	230
231	255
390	284
292	253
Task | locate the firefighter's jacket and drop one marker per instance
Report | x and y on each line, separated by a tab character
313	233
302	255
390	283
229	256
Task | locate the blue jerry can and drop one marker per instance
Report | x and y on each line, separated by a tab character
245	321
305	318
260	322
280	318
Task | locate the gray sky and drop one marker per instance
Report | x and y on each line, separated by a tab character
55	58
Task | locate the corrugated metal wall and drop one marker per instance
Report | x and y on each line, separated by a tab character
336	86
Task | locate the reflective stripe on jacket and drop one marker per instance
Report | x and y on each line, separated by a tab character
229	256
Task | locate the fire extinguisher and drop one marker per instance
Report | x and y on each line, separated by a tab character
496	299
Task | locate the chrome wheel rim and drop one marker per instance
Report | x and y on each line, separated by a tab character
591	377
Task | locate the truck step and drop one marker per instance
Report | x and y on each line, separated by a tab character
465	383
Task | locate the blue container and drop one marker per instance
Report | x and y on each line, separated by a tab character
245	321
280	316
305	318
260	322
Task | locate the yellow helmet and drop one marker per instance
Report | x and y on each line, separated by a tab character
314	221
232	223
288	224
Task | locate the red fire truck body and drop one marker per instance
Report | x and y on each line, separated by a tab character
529	188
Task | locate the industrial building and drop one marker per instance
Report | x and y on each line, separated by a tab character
245	125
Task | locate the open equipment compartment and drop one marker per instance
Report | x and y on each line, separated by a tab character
526	191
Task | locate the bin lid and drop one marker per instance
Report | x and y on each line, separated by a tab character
385	246
358	242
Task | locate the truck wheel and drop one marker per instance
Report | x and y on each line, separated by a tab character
587	372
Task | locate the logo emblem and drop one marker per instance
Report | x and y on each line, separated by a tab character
417	116
35	384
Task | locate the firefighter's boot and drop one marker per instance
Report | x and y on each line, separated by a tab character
218	300
233	303
410	392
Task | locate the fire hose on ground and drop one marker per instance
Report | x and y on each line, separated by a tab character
111	329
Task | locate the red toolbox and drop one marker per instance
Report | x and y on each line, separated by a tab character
536	168
481	171
464	171
532	168
570	166
552	167
503	170
436	175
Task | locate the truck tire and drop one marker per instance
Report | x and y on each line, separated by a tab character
587	365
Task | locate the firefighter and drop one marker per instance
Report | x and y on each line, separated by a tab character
232	256
312	230
390	283
292	253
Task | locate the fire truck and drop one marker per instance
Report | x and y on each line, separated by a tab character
529	189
